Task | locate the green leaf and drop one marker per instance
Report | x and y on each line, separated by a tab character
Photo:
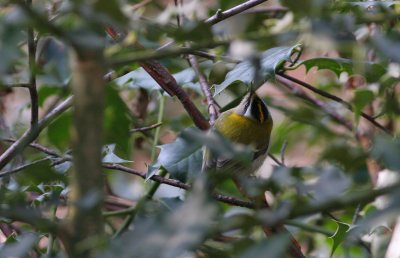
139	78
58	132
372	71
361	99
192	31
367	5
387	150
168	235
117	122
340	234
44	92
111	157
39	173
388	45
52	57
220	146
21	247
271	60
353	160
181	158
112	9
274	247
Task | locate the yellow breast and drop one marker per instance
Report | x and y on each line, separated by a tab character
241	129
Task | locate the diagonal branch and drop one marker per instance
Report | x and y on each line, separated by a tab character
146	128
205	87
168	83
334	98
31	134
299	92
22	167
222	15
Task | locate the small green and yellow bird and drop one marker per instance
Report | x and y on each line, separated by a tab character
250	124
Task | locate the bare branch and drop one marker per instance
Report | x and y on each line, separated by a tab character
205	87
299	92
179	184
276	160
219	16
32	78
147	55
17	85
335	98
31	134
20	168
168	83
146	128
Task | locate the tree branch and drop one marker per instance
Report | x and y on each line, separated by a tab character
334	98
20	168
178	184
302	94
146	128
330	205
222	15
31	134
167	82
205	87
86	180
164	53
32	78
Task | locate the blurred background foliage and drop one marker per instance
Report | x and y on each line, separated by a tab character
331	71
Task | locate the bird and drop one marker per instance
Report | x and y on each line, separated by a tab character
249	123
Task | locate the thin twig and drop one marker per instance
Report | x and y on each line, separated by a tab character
214	57
220	16
276	160
356	215
16	85
146	128
283	149
309	227
32	78
205	87
299	92
164	53
226	199
17	169
31	134
334	98
37	147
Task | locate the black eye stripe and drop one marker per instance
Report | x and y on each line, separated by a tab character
259	110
